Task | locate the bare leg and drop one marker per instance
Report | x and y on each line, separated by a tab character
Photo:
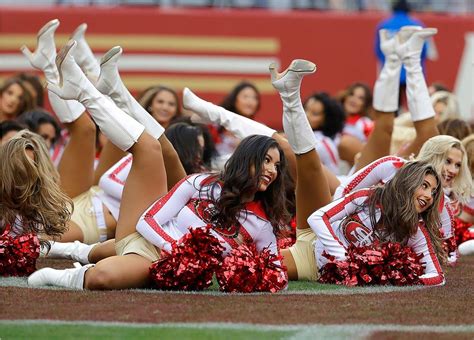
379	141
312	188
425	129
102	251
290	156
147	180
77	163
174	168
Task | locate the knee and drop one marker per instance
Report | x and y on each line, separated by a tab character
98	278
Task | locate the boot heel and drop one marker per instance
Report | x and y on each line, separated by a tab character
62	56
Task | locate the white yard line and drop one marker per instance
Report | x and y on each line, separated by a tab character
21	282
302	331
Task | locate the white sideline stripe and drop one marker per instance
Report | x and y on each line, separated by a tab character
21	282
313	330
168	63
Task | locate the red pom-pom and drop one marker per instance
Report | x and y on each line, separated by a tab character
377	264
191	263
246	270
18	254
461	231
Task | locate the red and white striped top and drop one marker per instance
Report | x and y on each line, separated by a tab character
188	205
334	235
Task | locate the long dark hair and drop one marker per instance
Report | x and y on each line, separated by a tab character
34	118
237	182
399	218
334	114
184	138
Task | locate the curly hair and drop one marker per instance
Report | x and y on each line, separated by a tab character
238	181
399	219
30	187
334	115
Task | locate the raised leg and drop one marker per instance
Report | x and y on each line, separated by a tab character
312	189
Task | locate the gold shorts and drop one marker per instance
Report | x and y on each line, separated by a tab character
88	214
303	254
137	244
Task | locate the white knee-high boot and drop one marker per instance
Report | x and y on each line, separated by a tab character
110	84
295	123
419	102
387	86
239	125
76	251
466	248
43	59
68	278
83	53
121	129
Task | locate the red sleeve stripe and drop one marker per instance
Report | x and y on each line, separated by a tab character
113	175
451	218
467	209
437	279
328	148
339	207
355	182
246	235
158	229
149	215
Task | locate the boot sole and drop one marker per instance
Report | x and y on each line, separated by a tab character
47	27
298	66
110	54
302	66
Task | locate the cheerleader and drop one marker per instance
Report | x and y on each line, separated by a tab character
32	201
96	208
409	204
326	117
245	202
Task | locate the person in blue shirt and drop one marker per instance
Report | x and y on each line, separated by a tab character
400	17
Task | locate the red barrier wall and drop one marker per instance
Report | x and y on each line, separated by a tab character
340	44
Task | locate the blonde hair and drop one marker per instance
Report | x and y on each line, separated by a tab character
452	108
435	150
30	187
468	144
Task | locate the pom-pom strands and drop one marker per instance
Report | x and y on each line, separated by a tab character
18	254
377	264
191	263
462	231
246	270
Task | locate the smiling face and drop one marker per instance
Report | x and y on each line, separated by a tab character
270	167
47	131
246	102
451	167
315	113
163	107
424	194
11	99
354	102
